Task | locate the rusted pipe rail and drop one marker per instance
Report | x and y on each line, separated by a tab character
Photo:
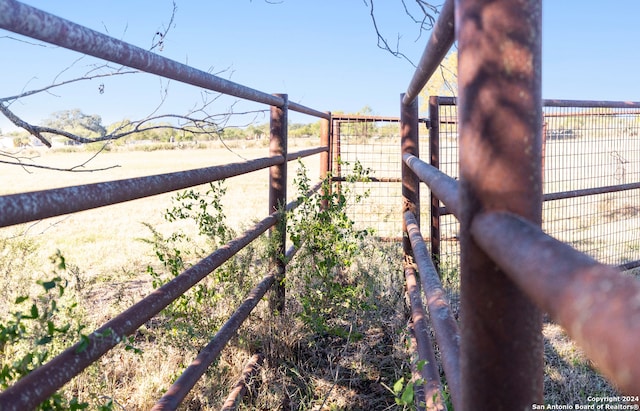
500	131
432	390
40	384
235	396
306	153
444	187
25	207
597	305
32	22
445	326
181	387
440	41
356	117
593	113
590	103
590	191
178	391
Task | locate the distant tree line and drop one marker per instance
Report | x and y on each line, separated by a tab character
91	126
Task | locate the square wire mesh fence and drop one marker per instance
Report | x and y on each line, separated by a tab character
374	144
585	149
448	160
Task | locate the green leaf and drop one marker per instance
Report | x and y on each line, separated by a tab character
44	340
83	345
21	299
48	285
397	387
420	365
75	405
407	394
34	311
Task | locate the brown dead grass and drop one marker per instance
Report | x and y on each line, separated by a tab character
570	377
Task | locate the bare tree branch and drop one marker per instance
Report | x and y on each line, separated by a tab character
64	83
425	22
161	35
198	120
19	161
31	43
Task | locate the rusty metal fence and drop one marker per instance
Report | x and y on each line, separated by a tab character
511	271
40	384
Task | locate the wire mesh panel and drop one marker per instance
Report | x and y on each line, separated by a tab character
585	148
448	163
372	143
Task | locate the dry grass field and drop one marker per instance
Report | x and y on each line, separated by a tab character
108	263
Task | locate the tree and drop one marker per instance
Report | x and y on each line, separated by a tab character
444	81
76	122
76	126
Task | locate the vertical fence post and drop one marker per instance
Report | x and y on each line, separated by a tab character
278	199
410	181
411	201
500	119
434	158
325	141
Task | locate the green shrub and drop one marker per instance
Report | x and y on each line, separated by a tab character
328	242
199	313
37	328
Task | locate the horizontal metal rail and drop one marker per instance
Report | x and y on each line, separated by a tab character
32	22
40	384
597	304
630	265
440	41
452	101
25	207
444	324
590	191
235	396
370	179
590	103
306	153
363	118
593	113
443	186
181	387
432	392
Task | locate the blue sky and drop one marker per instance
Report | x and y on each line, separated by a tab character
322	53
